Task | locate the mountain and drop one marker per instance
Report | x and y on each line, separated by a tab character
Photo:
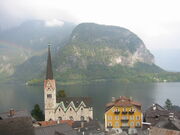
103	52
93	52
18	45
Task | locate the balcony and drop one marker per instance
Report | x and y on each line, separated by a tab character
124	120
124	112
125	126
117	112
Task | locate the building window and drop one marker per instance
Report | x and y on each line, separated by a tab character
116	117
59	109
125	124
109	117
81	109
82	118
117	124
137	124
131	117
124	117
109	124
70	109
71	118
49	95
132	124
137	118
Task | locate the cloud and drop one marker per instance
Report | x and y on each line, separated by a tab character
157	22
54	22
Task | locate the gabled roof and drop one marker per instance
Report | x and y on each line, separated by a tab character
122	101
16	126
59	129
76	100
49	72
21	113
162	131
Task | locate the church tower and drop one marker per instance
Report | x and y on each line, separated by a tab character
49	91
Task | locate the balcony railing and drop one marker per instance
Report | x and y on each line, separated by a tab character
124	120
125	126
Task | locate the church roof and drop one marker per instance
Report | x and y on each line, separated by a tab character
76	100
49	72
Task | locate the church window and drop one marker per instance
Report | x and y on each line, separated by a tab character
70	109
71	118
82	118
49	95
81	109
59	118
59	109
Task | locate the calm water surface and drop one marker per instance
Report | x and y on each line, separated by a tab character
24	97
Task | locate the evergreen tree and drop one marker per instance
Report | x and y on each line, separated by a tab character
37	113
61	94
168	104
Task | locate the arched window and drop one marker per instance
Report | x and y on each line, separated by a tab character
70	109
59	118
71	118
82	118
59	109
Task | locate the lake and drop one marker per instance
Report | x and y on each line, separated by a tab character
22	97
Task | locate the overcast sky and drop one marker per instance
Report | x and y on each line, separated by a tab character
156	22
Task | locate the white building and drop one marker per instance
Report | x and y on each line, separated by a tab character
70	108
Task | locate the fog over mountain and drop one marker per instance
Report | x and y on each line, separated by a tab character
159	28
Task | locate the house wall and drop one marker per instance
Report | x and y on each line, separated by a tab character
74	113
131	120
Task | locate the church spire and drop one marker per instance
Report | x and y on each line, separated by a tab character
49	72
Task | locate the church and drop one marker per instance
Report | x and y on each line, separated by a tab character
68	108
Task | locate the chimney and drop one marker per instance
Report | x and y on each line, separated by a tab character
113	99
171	116
11	112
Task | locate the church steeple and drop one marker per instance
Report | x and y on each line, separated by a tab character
49	72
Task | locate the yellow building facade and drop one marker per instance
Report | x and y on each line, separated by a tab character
123	113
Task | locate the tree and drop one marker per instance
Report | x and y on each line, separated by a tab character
61	94
37	113
168	104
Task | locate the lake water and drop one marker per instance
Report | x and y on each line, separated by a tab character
24	97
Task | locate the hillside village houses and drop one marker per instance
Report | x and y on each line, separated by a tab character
69	108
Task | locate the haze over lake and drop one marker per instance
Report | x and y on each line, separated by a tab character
23	97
